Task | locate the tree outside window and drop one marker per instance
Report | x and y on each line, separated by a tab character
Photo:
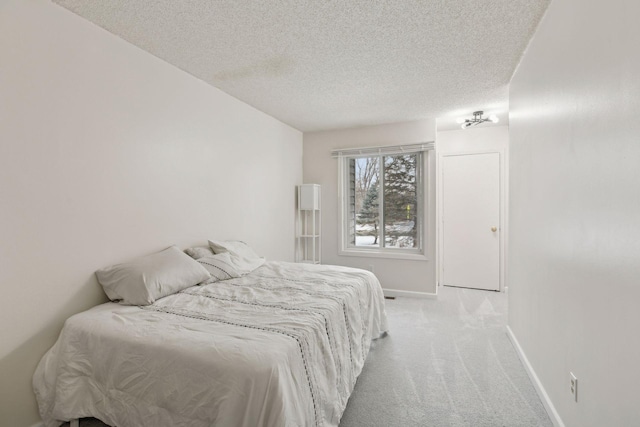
384	201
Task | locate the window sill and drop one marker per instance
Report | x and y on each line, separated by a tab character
372	253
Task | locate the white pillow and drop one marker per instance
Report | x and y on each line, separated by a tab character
219	266
245	265
235	247
148	278
198	252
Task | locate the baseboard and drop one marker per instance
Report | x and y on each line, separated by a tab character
408	294
544	397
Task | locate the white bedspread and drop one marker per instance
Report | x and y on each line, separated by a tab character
282	346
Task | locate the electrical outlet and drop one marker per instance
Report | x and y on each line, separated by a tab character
573	385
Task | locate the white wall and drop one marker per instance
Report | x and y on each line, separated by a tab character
107	152
320	168
478	139
473	139
574	269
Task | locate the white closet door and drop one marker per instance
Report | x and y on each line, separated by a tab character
471	220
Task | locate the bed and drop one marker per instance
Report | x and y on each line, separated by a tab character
280	346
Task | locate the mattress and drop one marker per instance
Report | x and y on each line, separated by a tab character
282	346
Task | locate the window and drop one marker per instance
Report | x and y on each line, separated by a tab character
382	204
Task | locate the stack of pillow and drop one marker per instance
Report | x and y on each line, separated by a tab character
144	280
226	259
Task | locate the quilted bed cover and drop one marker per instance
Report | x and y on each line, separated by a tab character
282	346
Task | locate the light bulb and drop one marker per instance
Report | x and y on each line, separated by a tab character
459	120
494	118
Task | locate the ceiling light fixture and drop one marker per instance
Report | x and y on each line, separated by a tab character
477	119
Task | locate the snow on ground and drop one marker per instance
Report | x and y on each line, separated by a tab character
366	241
396	235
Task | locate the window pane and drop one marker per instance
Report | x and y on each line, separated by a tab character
365	192
400	201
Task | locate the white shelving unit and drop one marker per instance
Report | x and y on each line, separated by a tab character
308	242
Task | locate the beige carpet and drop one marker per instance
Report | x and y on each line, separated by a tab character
446	362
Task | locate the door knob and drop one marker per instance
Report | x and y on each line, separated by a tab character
494	229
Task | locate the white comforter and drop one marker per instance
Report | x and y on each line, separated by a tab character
282	346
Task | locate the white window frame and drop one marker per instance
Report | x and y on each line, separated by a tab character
344	156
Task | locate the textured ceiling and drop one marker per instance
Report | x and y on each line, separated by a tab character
327	64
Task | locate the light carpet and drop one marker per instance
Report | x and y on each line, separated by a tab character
445	362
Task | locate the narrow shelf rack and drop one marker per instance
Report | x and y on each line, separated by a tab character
308	229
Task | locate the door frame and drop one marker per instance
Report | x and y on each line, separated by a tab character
503	223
